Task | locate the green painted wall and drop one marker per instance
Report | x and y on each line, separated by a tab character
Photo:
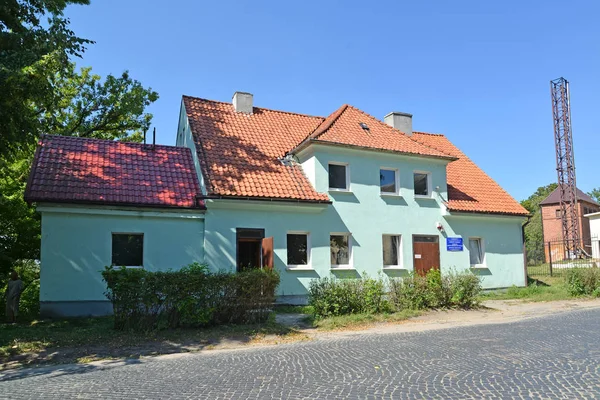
76	246
367	215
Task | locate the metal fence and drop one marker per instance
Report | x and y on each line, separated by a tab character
554	257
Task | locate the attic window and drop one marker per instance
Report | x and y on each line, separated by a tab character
364	126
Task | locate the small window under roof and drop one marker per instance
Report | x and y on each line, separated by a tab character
364	126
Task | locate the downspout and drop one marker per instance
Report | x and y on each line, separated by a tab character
525	249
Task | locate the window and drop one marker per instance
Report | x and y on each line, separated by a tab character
391	250
422	184
558	214
340	248
388	181
297	249
475	251
338	177
128	249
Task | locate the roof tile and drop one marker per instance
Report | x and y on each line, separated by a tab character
469	188
81	170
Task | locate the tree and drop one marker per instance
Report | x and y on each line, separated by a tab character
595	194
26	42
534	236
83	105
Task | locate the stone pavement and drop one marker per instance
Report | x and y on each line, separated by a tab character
548	357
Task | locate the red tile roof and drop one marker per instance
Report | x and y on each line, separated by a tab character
240	153
79	170
469	188
344	127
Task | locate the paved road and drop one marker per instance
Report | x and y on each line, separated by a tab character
552	357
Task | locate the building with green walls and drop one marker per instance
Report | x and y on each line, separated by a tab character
346	195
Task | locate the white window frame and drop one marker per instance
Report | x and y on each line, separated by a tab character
350	252
400	254
308	251
396	181
482	247
429	185
143	249
347	166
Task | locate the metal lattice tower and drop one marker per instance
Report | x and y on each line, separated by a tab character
565	166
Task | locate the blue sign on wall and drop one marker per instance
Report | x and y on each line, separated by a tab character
454	244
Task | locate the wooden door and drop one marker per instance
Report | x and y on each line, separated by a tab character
426	254
267	252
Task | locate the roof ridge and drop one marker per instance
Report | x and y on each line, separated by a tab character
260	108
328	122
48	136
429	133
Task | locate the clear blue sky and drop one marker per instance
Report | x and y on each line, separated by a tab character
477	71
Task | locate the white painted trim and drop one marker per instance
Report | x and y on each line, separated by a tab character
260	205
350	264
308	264
429	185
483	264
114	210
347	166
396	182
399	251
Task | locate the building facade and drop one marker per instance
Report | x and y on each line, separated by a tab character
345	195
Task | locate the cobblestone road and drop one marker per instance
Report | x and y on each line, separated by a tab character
552	357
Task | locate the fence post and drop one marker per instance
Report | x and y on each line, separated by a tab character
550	257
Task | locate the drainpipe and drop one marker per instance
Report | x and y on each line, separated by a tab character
525	249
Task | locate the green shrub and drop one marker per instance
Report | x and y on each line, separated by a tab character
583	281
416	292
465	289
190	297
410	293
332	296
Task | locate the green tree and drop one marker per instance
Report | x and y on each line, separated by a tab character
83	105
31	33
534	236
595	194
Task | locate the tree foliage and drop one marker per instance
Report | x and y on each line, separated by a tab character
595	194
31	31
44	93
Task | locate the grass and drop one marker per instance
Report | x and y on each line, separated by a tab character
540	288
357	321
88	339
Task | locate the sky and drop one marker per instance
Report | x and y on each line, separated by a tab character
477	71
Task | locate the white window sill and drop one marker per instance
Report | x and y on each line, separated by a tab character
299	268
383	194
479	266
342	268
394	267
129	266
418	197
339	190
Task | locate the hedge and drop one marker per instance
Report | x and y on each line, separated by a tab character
583	282
190	297
332	296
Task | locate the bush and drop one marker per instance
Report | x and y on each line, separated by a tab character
332	296
583	281
416	292
190	297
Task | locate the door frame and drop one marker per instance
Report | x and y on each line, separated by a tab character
244	233
439	252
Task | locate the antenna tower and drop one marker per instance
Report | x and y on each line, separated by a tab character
565	166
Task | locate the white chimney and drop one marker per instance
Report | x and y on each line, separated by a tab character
242	102
401	121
